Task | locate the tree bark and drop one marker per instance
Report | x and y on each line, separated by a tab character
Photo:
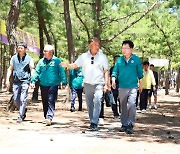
96	9
69	31
42	21
11	24
41	40
78	16
54	40
178	80
170	56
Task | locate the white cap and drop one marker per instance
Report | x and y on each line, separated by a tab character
49	47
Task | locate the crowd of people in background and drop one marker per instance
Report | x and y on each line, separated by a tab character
90	73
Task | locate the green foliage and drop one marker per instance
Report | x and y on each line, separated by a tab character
4	7
115	15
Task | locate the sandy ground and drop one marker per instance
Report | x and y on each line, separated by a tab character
157	131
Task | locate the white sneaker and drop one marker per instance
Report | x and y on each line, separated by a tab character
150	106
48	122
143	111
101	121
155	107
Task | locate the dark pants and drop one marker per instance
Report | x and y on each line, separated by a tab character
77	92
102	110
137	98
114	106
49	96
143	99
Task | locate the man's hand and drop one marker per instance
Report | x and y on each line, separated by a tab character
140	86
140	89
113	82
64	64
106	87
32	85
7	84
154	88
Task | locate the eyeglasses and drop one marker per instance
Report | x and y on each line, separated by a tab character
125	48
92	60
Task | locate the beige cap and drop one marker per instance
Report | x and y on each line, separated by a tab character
48	47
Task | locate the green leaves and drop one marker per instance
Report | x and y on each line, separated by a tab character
114	16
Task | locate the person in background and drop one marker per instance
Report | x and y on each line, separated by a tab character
21	65
49	72
115	93
76	85
152	90
147	81
127	71
96	79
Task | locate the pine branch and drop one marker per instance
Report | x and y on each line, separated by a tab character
78	16
131	24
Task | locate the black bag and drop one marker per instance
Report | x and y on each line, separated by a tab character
109	99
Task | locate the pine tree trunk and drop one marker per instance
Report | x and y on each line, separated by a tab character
11	24
178	81
42	21
96	8
69	31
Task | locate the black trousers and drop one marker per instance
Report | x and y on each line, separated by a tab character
137	98
77	92
144	99
49	96
114	106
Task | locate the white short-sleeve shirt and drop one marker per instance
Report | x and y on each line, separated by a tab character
93	73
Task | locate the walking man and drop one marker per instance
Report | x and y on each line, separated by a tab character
153	90
76	85
127	71
49	72
95	71
115	92
21	65
147	81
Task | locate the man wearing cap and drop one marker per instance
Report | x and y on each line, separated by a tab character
21	65
49	72
96	79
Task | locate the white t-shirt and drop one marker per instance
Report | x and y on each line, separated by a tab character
93	73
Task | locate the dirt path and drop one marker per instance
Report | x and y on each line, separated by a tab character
158	131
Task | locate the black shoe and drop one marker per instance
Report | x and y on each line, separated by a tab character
24	116
19	120
129	129
123	128
80	109
93	127
72	109
116	117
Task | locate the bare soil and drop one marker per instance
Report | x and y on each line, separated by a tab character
157	131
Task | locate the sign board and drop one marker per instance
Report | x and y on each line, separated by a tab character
159	62
32	41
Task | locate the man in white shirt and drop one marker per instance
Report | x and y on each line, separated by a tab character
95	71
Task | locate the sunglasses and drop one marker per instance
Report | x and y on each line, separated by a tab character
92	60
